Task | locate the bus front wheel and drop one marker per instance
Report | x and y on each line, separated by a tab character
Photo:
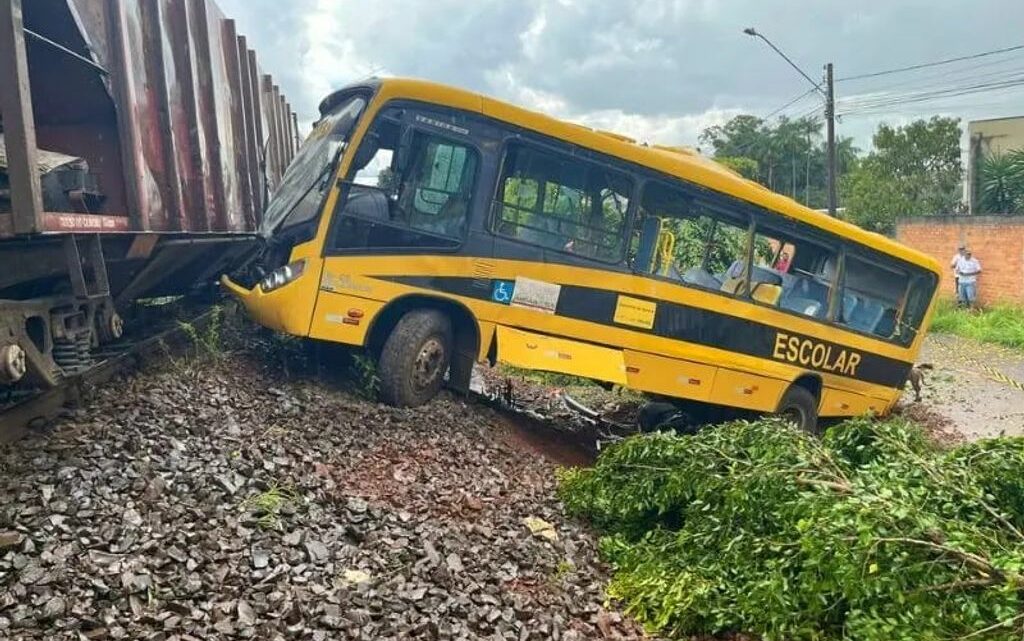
415	358
799	407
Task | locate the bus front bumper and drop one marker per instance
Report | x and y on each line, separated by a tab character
287	309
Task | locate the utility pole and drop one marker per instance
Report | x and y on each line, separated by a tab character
830	113
830	120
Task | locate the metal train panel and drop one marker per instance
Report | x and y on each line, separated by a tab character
160	108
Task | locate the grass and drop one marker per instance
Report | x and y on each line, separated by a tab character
550	379
365	380
266	506
207	340
1001	324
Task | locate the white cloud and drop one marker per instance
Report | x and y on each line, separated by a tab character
663	129
530	38
332	60
654	69
505	84
667	129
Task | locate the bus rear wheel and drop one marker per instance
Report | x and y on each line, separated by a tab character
799	407
415	358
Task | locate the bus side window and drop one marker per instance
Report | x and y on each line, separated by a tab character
423	204
440	187
710	247
794	268
872	296
562	203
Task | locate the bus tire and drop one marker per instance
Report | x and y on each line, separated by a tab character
415	358
799	407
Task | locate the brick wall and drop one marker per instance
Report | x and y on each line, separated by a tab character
996	241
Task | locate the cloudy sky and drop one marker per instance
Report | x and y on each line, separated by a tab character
659	70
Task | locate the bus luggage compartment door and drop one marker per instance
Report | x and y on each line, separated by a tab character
548	353
669	376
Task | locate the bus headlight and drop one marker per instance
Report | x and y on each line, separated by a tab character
282	276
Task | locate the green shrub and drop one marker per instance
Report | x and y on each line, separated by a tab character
1002	324
871	533
365	379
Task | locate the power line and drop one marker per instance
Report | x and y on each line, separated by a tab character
938	76
982	82
931	64
921	109
808	113
952	83
791	103
922	96
889	109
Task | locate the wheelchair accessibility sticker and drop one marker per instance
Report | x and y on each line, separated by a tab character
502	290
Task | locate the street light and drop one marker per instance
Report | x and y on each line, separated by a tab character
830	111
750	31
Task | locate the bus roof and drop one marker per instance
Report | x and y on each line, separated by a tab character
675	161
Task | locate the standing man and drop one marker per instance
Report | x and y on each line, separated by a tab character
955	266
967	276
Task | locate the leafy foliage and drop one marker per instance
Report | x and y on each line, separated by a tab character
366	381
869	534
746	167
702	242
787	157
913	170
873	198
1001	183
207	340
267	505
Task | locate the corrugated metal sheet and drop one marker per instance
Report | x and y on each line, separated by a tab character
177	128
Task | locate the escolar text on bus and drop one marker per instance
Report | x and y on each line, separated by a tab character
794	349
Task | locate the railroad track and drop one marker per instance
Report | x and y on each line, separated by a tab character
26	411
569	427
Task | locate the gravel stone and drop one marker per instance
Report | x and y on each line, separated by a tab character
248	497
316	552
11	540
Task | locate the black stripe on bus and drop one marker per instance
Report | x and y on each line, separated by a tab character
700	326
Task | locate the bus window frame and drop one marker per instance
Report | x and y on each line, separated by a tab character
837	286
801	231
407	122
869	255
574	152
699	196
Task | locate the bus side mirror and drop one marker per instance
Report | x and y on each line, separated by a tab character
404	149
368	148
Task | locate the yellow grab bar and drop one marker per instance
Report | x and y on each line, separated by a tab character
666	251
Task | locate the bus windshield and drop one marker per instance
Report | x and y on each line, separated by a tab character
297	198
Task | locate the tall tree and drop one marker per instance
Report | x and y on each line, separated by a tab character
1001	183
924	157
746	167
787	157
913	170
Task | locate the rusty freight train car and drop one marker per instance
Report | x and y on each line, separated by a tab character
139	141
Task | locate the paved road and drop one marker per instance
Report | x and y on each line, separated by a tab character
976	389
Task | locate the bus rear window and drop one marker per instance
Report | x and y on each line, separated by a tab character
886	300
563	203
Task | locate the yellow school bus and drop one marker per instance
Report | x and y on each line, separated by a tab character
438	227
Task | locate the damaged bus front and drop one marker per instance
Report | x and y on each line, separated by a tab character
293	217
